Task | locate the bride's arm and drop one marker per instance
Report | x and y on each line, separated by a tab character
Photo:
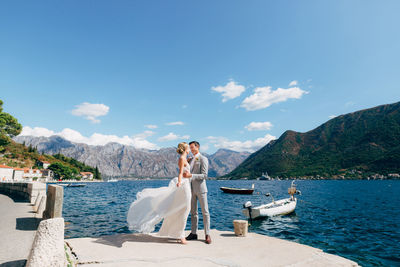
181	166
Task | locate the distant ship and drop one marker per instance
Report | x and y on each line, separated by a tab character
264	176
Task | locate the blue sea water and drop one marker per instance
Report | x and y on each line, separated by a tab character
358	220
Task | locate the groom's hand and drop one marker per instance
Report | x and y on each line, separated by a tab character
187	175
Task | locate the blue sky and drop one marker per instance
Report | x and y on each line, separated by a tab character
99	71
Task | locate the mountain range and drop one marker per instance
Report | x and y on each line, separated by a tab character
116	160
362	142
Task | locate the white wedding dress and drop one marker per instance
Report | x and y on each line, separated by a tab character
171	204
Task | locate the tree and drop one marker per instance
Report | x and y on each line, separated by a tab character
97	174
9	127
62	171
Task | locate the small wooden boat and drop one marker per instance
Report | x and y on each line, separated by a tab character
275	208
76	185
241	191
72	185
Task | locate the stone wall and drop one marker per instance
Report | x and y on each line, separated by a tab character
48	205
22	190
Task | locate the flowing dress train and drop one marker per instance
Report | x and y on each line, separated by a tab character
170	203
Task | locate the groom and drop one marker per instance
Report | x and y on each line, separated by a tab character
198	175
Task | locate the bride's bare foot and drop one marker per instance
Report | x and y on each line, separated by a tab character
183	241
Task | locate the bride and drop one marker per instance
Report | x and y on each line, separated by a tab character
171	204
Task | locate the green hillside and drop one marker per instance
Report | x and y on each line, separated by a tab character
18	155
362	142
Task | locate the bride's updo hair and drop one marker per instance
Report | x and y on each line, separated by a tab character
181	147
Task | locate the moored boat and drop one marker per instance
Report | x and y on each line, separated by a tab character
275	208
72	185
279	207
241	191
76	185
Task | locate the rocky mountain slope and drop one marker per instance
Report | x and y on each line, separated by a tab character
119	160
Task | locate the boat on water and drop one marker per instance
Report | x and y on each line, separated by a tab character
241	191
264	176
275	208
72	185
112	180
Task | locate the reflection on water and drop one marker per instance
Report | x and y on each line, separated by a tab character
355	219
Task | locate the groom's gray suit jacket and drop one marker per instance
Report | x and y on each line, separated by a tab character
199	174
199	191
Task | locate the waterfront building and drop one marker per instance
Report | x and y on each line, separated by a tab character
45	164
86	175
18	174
30	173
6	173
47	174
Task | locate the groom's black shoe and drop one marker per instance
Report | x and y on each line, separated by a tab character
191	237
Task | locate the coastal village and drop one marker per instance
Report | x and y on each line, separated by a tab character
44	174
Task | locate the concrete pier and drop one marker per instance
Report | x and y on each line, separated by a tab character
17	230
21	208
226	250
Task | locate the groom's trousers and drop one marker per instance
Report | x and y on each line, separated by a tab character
202	197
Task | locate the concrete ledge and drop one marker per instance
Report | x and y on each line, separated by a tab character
34	189
41	207
23	190
225	250
48	245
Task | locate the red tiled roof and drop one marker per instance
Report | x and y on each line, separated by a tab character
5	167
45	162
86	173
18	169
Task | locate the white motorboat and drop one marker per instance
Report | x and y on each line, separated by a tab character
265	176
275	208
280	207
112	180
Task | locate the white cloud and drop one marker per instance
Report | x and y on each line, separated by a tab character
151	126
95	139
172	137
249	145
259	126
174	123
332	116
90	111
293	83
36	131
204	147
145	134
264	97
184	106
230	90
349	104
